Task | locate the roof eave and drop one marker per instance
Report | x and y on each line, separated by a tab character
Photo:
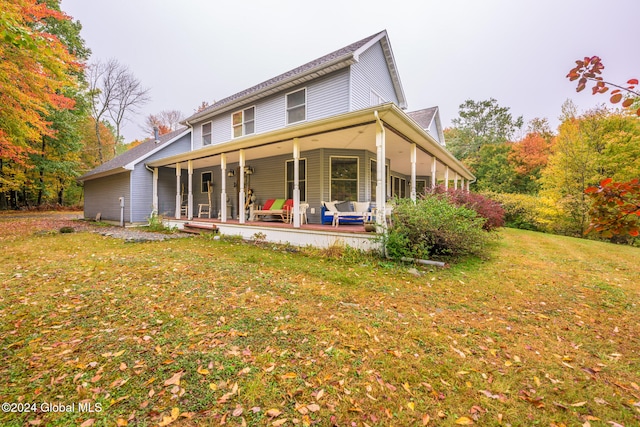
104	174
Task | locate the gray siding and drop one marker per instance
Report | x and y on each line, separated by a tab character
142	180
101	196
326	96
371	72
167	191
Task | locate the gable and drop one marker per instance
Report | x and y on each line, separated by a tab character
324	65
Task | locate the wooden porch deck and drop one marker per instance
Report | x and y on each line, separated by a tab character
342	228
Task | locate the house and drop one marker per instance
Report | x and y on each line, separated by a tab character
334	128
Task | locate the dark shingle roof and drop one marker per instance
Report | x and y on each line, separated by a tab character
133	154
423	117
344	53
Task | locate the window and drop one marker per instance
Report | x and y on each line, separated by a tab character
344	178
207	177
297	106
403	188
421	186
244	122
375	98
206	134
302	179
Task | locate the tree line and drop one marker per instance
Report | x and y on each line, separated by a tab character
544	179
60	115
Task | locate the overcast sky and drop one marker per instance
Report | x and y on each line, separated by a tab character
447	51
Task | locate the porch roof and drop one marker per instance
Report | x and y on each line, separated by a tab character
352	130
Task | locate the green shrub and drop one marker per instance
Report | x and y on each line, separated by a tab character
433	227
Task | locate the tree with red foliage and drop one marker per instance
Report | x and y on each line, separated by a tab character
615	208
590	69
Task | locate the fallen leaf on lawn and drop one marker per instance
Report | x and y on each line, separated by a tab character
490	395
600	401
279	422
88	423
460	353
244	371
175	379
537	381
121	422
464	421
202	371
425	419
411	406
269	368
406	387
123	366
614	424
274	413
120	353
213	386
313	407
166	420
320	394
579	404
288	375
238	411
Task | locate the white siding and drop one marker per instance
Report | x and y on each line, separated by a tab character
371	73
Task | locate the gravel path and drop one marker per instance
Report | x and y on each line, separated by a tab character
54	221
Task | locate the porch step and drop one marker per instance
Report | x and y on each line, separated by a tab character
197	228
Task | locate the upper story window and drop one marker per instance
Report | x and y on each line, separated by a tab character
297	106
375	98
244	122
206	134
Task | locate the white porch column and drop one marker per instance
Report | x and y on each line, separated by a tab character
381	184
296	183
190	196
468	184
455	181
413	171
446	178
178	194
241	212
154	197
462	183
433	172
223	187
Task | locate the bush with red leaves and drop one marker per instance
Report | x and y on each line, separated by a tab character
484	207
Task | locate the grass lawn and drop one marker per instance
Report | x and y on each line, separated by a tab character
207	332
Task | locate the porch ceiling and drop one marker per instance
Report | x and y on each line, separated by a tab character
352	131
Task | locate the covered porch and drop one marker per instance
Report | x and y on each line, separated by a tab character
371	155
